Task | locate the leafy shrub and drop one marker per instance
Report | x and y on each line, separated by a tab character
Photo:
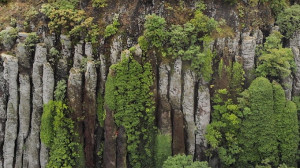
72	22
60	90
155	31
163	149
99	3
179	161
112	29
275	62
8	37
289	20
57	133
31	40
270	127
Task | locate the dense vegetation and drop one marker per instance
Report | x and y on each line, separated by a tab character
252	125
129	96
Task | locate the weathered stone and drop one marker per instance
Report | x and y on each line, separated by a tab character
164	108
259	36
175	100
248	55
103	73
75	104
110	150
23	57
188	110
10	136
10	74
24	117
121	148
116	49
202	117
8	41
295	40
62	65
296	83
48	90
78	55
287	84
3	103
88	50
31	157
89	108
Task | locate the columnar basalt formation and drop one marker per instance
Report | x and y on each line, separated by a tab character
32	146
175	100
89	108
10	74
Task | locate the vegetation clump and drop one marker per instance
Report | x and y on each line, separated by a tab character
179	161
289	20
128	95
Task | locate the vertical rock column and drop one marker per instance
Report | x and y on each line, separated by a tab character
62	65
89	108
175	99
24	59
10	64
202	117
295	45
116	49
75	104
164	107
109	153
32	146
48	90
3	101
188	110
248	55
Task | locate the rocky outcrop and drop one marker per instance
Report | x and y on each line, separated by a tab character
188	110
248	55
10	74
295	45
3	103
24	116
78	55
89	108
110	147
116	49
164	107
88	50
62	65
48	90
175	100
202	117
121	148
31	157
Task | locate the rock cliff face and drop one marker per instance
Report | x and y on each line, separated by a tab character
183	98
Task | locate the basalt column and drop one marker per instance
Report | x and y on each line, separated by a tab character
89	108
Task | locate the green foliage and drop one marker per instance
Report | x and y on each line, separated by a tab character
270	128
275	62
60	90
57	133
8	36
289	20
31	40
155	31
163	149
278	6
64	4
99	3
179	161
128	94
71	21
113	28
54	52
258	137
